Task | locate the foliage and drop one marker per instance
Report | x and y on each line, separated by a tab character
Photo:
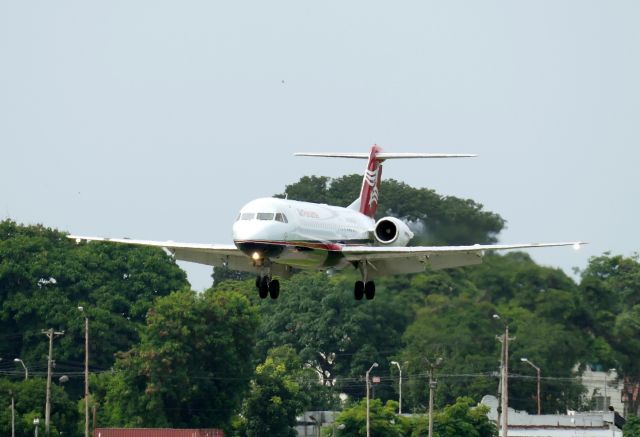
194	359
437	219
456	323
383	420
610	291
332	333
191	368
460	419
29	399
222	273
44	277
276	396
632	427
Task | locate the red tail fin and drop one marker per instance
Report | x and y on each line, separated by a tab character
371	184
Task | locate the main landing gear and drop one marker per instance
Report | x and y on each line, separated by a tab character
267	287
364	289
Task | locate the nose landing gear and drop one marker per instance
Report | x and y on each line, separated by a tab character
267	287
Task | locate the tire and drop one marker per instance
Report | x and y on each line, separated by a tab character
358	290
263	290
274	289
370	290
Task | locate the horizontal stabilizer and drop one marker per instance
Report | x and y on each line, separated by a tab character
383	155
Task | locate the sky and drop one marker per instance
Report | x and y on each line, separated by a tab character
160	119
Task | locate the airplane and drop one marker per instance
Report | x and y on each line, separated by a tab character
274	236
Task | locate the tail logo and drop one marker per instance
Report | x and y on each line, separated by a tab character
372	176
372	180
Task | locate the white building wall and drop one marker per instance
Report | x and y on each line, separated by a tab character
604	388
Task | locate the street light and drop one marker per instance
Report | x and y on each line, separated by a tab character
36	422
367	380
400	387
86	371
26	372
525	360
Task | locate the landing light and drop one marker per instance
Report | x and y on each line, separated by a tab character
577	246
255	256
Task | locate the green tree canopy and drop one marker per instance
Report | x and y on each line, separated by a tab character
191	368
331	332
456	323
460	419
632	427
44	277
610	292
276	396
435	219
29	397
383	420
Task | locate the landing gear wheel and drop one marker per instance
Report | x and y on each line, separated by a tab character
370	290
274	289
263	290
358	290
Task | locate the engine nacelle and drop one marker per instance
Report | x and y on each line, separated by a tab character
390	231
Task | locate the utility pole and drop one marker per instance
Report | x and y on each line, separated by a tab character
504	377
51	334
86	373
433	383
13	416
86	377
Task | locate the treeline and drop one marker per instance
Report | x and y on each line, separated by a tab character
164	355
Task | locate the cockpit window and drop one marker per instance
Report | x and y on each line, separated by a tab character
247	216
265	216
280	217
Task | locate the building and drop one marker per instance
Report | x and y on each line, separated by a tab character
604	389
573	424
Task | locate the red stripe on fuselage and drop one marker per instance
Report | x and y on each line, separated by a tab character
332	247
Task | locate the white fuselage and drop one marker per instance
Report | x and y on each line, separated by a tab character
299	234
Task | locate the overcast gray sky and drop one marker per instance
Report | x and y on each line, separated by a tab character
159	120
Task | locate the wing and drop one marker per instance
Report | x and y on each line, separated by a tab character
398	260
216	255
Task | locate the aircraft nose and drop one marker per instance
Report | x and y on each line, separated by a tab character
250	230
256	239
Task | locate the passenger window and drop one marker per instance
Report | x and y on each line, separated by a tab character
265	216
281	217
247	216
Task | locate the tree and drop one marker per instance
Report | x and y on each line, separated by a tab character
331	332
460	330
191	368
383	420
460	419
44	277
456	323
435	219
632	427
276	395
29	399
610	294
